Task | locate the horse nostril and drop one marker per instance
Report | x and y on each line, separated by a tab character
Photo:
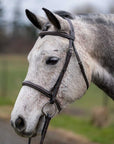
20	124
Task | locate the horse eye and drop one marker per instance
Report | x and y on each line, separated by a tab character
52	60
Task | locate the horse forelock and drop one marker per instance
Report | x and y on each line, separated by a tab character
64	14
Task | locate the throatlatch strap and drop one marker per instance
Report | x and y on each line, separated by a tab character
81	66
77	55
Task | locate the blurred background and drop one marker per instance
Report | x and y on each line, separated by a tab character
88	120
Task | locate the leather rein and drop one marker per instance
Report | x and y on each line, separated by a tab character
52	94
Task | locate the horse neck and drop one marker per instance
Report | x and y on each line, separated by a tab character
95	41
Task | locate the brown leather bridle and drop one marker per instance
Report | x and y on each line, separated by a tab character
54	90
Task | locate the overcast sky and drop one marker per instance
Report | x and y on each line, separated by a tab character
36	5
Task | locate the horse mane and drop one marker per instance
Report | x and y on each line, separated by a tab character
105	19
64	14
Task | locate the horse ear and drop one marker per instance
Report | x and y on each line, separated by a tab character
38	21
57	21
52	18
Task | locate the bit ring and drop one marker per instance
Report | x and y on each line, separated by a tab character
49	109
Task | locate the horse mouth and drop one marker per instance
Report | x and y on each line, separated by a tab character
38	129
26	134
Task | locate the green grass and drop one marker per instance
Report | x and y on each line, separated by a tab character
84	127
5	101
12	72
94	97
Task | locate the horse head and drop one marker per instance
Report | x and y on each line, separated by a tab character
46	60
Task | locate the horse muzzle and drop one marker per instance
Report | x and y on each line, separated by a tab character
20	127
